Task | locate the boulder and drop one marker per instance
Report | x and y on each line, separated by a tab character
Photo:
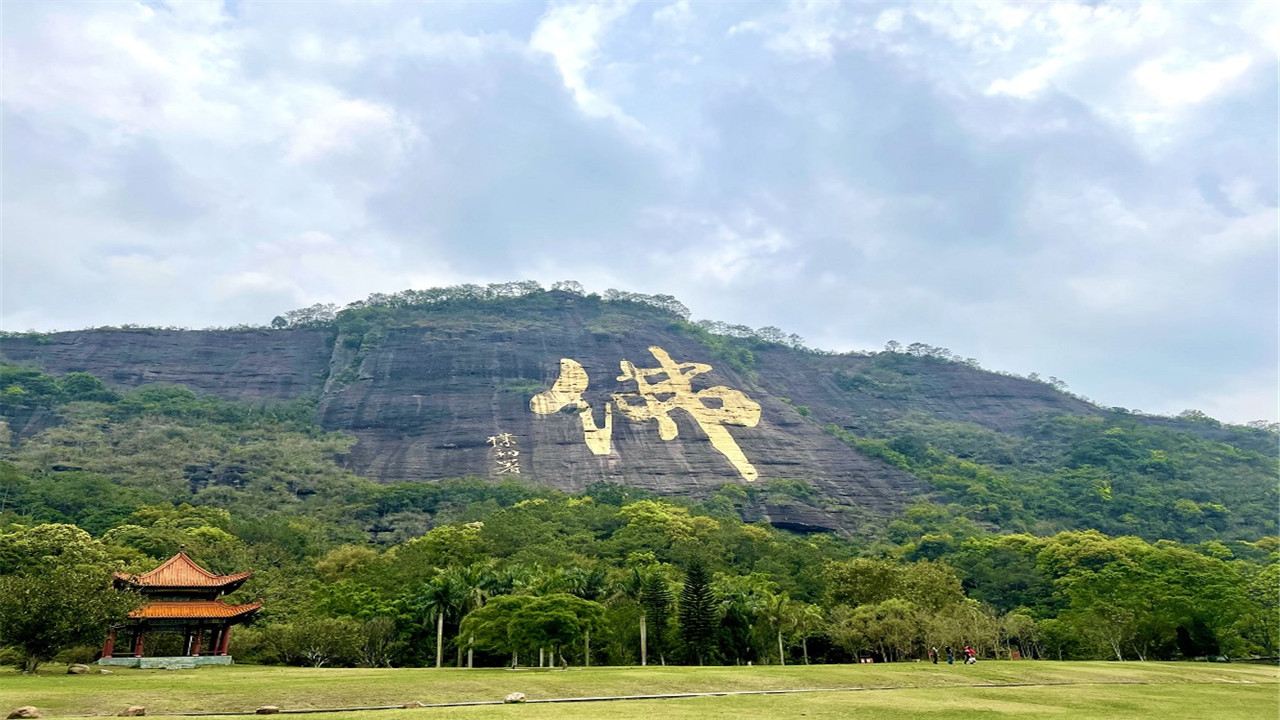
133	711
104	671
77	669
267	710
515	697
26	711
414	704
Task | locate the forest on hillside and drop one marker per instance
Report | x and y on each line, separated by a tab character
473	570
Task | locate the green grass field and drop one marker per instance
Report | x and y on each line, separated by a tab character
1073	690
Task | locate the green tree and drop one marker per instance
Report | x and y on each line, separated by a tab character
656	600
490	627
697	612
804	620
850	627
1260	624
515	623
895	628
1018	628
861	581
442	595
83	386
931	585
377	642
45	612
743	602
41	547
776	611
471	584
631	588
316	641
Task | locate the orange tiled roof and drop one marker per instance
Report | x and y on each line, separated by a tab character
193	609
181	571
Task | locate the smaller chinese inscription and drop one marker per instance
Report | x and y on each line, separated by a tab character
506	454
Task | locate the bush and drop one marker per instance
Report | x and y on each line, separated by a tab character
11	656
313	641
82	654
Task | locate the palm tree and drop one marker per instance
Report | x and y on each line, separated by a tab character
586	583
742	602
631	587
776	611
443	595
513	578
473	584
805	620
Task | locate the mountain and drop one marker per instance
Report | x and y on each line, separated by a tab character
568	389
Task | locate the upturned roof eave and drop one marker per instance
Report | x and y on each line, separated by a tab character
203	578
226	612
225	581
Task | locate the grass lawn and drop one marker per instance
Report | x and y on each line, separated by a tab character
1073	690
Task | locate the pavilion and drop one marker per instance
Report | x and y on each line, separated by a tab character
180	596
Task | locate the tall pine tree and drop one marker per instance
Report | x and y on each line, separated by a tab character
697	612
656	599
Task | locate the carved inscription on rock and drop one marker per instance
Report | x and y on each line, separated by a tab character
506	455
659	391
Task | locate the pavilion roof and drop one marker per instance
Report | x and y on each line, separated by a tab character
180	571
194	609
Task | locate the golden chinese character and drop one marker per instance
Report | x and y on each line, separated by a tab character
508	467
567	393
503	439
712	408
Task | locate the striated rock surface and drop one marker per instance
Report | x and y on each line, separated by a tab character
238	365
425	401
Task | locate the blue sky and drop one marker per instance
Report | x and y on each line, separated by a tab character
1085	190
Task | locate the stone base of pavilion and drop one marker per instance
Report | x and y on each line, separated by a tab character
177	662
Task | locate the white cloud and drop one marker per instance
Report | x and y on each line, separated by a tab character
351	128
1238	399
890	20
806	29
309	47
1175	80
720	249
674	17
571	34
1114	58
1029	83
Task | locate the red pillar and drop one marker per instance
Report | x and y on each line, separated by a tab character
137	642
226	640
110	645
195	644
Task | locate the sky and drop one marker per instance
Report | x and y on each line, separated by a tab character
1083	190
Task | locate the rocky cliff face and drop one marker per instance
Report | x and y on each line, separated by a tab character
254	365
450	395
